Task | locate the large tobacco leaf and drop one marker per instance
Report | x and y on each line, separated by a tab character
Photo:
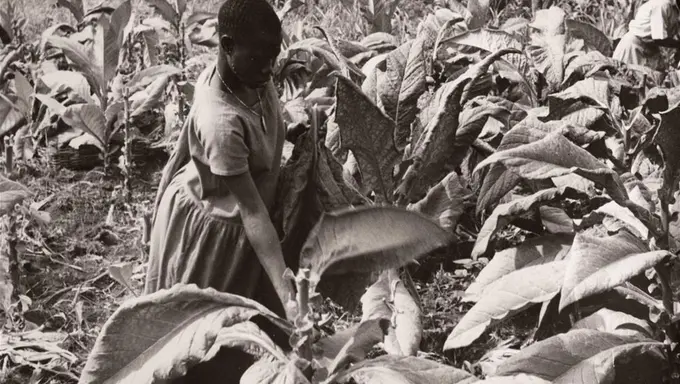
404	370
158	336
369	134
388	298
531	252
512	294
598	264
505	213
560	356
444	203
308	186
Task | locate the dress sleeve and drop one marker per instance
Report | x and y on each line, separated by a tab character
222	136
661	22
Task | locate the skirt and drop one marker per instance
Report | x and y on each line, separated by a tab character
633	50
188	245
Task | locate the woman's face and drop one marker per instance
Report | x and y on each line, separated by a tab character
252	59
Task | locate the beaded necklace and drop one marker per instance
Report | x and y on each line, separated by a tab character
259	100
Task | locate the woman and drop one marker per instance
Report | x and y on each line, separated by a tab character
655	26
211	225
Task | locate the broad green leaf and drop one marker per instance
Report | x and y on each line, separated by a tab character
554	155
356	341
114	33
54	106
581	65
305	191
265	371
625	215
492	40
599	264
432	153
248	337
403	370
516	379
505	213
555	356
181	7
24	91
389	299
531	252
68	80
6	31
550	55
89	119
668	138
512	294
369	239
153	96
631	363
590	89
145	77
10	114
365	336
500	180
592	36
199	17
11	193
75	7
83	60
444	202
205	33
158	336
401	87
606	320
166	10
556	220
549	22
369	134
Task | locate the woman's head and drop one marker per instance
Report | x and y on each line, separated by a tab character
250	39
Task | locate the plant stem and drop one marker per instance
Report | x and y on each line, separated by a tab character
9	155
304	328
127	154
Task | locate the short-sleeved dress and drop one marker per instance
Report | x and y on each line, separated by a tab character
654	20
197	235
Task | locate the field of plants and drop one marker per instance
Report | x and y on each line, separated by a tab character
471	192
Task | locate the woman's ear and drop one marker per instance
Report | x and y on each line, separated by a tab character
227	44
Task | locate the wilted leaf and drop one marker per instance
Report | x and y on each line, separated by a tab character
369	134
598	264
623	214
389	299
444	202
403	370
606	320
592	36
512	294
11	193
593	90
505	213
584	64
531	252
159	336
555	356
88	118
369	239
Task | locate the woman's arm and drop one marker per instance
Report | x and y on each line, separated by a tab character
261	232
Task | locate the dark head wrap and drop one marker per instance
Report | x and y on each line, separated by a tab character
248	18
